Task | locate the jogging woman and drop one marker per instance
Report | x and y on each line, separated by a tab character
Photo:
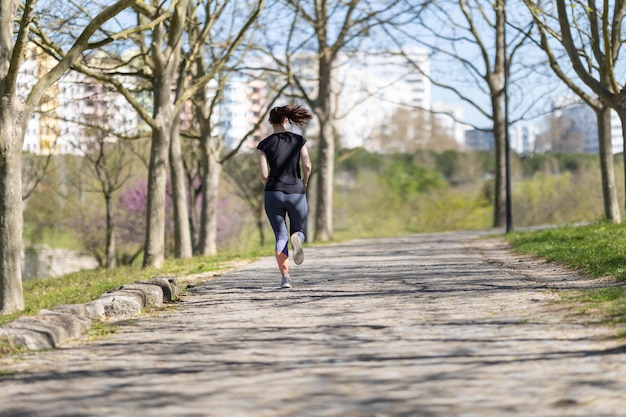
280	155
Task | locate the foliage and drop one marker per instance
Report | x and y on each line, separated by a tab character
8	347
243	177
464	167
446	208
131	218
365	207
557	199
384	195
404	197
556	163
354	160
408	179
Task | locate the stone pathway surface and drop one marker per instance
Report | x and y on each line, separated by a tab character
425	325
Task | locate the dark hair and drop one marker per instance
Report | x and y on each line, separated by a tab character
297	115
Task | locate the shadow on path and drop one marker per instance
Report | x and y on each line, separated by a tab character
414	326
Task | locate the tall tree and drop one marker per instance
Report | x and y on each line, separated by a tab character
161	66
109	162
468	40
216	54
15	113
165	53
317	33
593	58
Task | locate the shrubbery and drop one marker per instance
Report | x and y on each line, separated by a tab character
386	195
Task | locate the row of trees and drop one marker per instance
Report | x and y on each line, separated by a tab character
179	46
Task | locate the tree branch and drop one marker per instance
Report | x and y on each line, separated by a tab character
75	51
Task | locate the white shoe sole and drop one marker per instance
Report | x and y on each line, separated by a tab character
298	252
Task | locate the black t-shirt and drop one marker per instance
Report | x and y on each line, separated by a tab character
283	155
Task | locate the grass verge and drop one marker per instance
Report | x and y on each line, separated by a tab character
82	287
595	250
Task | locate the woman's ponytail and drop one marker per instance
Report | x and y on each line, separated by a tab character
297	115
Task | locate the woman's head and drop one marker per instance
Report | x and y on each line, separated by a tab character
297	115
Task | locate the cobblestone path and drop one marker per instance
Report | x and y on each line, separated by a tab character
425	325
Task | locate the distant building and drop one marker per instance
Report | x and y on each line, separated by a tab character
42	131
617	137
522	138
479	140
448	116
371	87
582	121
84	106
62	123
243	103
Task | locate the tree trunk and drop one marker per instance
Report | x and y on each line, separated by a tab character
621	112
11	296
607	171
496	88
260	221
165	64
110	235
154	245
210	194
182	231
326	160
499	132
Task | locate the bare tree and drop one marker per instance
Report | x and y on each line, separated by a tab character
109	162
469	36
160	66
34	169
594	61
216	55
244	177
15	114
562	136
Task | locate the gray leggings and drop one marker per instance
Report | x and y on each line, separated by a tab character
277	206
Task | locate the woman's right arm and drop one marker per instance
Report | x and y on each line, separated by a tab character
306	163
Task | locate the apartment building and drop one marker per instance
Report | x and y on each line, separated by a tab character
73	111
572	119
371	87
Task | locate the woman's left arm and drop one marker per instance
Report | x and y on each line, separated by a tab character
264	170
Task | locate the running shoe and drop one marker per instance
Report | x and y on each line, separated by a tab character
284	283
298	253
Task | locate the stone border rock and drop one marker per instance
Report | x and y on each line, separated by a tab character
50	328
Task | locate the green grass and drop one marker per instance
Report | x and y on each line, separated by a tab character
82	287
596	250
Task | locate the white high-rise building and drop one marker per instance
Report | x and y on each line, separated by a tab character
522	138
241	107
71	110
448	116
617	137
371	87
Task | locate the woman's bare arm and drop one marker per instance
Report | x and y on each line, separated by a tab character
306	163
264	170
